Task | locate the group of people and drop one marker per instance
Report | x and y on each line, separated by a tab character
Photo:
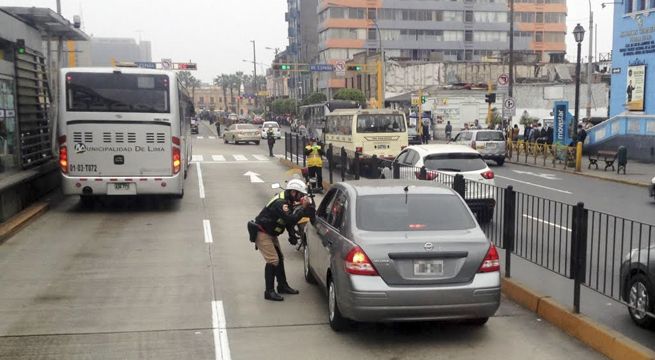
536	133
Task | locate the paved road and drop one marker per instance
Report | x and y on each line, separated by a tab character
152	278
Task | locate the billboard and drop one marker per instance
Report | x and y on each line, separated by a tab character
562	123
635	89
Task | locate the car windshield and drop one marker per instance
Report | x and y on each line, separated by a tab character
489	136
454	162
245	127
413	212
380	123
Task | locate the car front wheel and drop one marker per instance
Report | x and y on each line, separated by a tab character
641	299
337	321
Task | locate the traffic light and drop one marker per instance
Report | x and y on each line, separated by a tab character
490	98
20	46
424	99
187	66
283	67
354	68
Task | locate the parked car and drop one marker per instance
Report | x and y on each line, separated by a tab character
451	159
400	251
194	126
241	133
638	285
490	144
271	125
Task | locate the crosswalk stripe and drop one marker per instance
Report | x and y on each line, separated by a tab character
212	137
260	157
197	158
200	137
279	156
218	157
240	157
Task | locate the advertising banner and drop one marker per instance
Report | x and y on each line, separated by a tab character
636	88
561	123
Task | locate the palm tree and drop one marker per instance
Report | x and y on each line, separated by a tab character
238	80
232	83
189	81
223	81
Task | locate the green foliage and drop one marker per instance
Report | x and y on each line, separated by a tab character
283	106
527	119
350	94
314	98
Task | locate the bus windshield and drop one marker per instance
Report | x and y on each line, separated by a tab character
116	92
380	123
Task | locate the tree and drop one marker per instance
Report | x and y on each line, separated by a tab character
189	82
314	98
223	81
350	94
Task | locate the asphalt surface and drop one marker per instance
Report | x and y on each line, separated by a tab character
137	278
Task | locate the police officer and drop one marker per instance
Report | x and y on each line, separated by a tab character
283	211
270	138
314	154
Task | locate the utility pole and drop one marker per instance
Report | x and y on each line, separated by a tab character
589	61
254	70
510	89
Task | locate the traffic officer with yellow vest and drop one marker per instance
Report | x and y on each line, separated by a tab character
282	212
314	153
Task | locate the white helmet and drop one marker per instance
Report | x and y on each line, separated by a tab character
298	185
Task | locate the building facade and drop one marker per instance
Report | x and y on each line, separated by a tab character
213	98
542	23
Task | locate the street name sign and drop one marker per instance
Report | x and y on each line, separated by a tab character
146	64
321	67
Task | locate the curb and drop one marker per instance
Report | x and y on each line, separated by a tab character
20	220
598	337
626	182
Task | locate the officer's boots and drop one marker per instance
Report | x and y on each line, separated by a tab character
282	285
269	277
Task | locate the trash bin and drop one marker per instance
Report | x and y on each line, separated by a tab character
622	159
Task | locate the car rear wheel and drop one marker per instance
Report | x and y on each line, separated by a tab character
500	161
337	321
641	299
309	277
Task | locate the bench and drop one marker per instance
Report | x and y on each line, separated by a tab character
609	157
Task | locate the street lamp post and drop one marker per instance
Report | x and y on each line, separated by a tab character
254	70
578	33
589	60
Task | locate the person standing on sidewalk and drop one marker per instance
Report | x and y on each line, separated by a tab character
449	131
270	139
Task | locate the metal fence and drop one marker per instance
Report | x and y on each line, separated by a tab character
596	250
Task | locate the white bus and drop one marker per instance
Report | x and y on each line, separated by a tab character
372	133
313	116
123	131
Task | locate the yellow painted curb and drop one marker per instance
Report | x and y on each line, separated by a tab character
600	338
18	221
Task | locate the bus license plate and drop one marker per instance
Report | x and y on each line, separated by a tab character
121	189
382	146
428	267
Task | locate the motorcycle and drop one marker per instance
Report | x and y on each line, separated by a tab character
297	234
312	182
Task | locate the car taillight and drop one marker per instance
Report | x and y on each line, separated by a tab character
359	149
357	263
63	159
429	175
491	262
488	175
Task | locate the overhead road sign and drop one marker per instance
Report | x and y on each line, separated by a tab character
321	67
146	64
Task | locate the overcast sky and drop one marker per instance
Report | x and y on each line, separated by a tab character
216	33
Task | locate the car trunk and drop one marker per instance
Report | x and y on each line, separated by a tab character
97	148
426	258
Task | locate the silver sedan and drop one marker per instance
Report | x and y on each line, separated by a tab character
401	251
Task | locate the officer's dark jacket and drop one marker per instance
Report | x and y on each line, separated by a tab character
273	219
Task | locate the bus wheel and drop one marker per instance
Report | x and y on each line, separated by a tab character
179	196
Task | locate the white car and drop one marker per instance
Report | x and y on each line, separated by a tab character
271	125
451	159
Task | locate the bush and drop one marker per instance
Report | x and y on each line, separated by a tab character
350	94
314	98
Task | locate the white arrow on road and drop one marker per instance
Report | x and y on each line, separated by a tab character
541	175
254	177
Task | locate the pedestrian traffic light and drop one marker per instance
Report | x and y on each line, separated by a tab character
424	99
354	68
20	46
490	98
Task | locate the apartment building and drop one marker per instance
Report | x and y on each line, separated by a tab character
543	24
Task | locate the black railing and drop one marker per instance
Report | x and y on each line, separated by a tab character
596	250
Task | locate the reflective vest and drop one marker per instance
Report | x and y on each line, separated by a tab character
314	158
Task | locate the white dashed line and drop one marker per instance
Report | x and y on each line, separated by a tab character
546	222
221	343
240	157
212	137
200	137
201	186
535	185
207	228
218	158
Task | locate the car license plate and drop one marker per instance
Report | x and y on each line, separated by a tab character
428	267
382	146
121	189
491	146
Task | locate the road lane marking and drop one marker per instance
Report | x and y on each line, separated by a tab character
240	157
536	185
260	157
207	228
212	137
218	158
201	186
221	343
200	137
254	177
539	175
197	158
546	222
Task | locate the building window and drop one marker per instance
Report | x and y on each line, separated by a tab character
641	5
468	35
540	17
211	100
628	6
468	16
202	99
371	14
468	55
539	36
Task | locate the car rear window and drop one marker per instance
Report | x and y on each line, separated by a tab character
489	136
271	125
457	162
412	212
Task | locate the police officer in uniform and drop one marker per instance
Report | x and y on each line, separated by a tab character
314	153
270	139
283	211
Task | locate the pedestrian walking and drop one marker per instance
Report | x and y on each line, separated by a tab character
426	130
449	131
283	211
270	139
218	128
